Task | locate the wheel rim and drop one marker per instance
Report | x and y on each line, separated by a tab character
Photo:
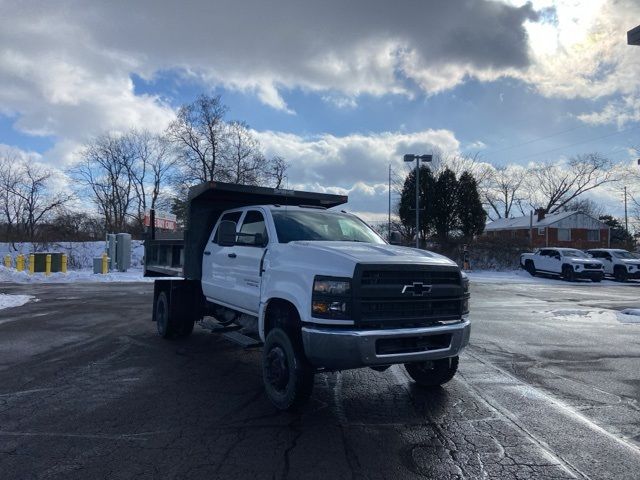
277	368
161	317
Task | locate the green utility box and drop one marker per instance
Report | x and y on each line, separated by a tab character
40	262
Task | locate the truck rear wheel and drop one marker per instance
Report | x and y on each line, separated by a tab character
432	373
164	322
287	375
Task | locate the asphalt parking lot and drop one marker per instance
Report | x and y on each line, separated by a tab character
549	388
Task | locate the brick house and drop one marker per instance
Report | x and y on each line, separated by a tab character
566	229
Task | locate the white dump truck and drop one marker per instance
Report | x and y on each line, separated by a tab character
316	288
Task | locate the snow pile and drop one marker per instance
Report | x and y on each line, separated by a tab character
72	276
12	301
629	315
79	254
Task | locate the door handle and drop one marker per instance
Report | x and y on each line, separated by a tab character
232	255
207	252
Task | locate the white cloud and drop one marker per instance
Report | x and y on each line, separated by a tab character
344	161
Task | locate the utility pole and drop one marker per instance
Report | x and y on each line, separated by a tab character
626	218
389	211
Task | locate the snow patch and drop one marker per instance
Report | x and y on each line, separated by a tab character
12	301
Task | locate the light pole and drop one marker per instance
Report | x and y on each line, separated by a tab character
409	157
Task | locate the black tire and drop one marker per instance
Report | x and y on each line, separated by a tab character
596	279
434	373
568	273
286	373
620	274
530	267
164	323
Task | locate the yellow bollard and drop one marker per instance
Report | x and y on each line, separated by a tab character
32	264
20	263
7	261
63	266
105	264
47	265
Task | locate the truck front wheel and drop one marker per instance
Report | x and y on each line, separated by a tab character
287	375
432	373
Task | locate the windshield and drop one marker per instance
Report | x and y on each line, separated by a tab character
296	225
624	254
572	253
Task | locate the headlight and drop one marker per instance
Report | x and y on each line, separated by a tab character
331	297
465	293
332	286
465	282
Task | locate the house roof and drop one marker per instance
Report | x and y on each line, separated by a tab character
523	222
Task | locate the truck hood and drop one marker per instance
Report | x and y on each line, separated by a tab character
376	253
582	261
631	261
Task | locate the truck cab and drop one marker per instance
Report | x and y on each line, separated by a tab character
321	291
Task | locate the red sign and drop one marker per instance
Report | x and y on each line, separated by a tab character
164	220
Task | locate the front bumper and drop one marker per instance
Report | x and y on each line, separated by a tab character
590	274
344	349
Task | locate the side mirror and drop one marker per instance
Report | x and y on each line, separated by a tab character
227	233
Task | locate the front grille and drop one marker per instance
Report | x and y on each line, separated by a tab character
409	309
386	277
386	296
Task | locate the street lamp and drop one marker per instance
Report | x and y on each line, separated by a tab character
410	158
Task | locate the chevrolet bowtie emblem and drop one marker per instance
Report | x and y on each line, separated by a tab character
418	289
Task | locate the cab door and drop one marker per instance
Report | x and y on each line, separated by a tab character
607	260
245	261
217	281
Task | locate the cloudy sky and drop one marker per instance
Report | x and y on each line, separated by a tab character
340	89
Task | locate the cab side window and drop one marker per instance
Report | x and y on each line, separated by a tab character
232	217
253	224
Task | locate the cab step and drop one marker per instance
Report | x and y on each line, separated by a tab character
216	327
242	340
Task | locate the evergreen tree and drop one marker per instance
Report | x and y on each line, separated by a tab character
470	211
620	237
445	205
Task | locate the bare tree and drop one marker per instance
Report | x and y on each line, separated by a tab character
243	159
11	206
553	185
502	190
105	172
278	170
149	170
27	196
199	133
37	198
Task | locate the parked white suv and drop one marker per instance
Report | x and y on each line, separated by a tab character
620	264
569	263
